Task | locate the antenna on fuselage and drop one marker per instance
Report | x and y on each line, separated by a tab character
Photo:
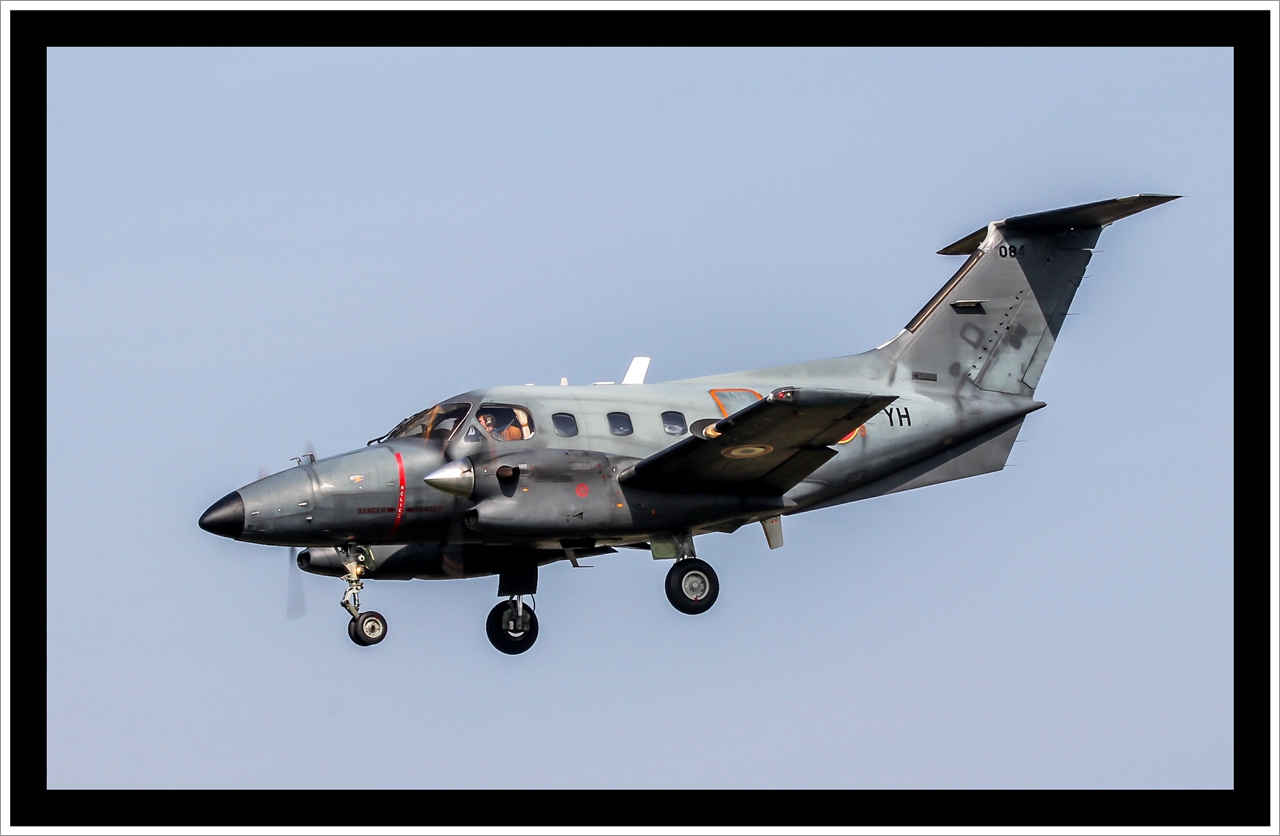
637	370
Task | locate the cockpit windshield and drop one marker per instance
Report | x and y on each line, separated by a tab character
434	424
437	423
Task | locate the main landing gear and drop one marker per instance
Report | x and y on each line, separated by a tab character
692	586
367	628
512	626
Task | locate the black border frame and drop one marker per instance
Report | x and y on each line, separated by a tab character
1247	31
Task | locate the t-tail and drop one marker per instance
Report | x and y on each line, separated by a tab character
996	320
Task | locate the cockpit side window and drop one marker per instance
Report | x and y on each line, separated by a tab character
437	423
505	423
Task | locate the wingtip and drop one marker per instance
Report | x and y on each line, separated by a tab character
966	245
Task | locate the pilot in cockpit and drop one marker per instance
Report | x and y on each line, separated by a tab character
505	423
513	432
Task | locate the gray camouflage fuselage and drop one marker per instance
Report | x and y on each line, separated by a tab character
957	383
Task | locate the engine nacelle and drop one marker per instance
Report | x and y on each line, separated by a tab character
575	494
548	494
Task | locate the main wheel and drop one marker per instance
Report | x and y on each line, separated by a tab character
351	631
692	586
507	635
370	628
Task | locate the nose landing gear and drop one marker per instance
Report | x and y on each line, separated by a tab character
366	628
512	627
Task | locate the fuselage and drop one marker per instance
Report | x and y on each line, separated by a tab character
571	443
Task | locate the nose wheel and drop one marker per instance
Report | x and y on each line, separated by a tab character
692	586
512	626
368	628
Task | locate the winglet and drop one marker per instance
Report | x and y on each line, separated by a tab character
637	370
1101	213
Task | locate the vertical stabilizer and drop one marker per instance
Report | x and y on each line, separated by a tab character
997	318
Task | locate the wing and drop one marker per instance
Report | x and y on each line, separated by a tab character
765	448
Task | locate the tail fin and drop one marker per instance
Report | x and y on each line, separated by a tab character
997	318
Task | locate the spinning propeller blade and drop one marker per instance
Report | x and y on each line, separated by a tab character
297	606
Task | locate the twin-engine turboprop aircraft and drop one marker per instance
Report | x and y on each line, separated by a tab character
500	481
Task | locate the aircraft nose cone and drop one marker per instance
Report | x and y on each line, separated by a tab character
225	517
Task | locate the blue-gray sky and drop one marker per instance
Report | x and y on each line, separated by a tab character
250	251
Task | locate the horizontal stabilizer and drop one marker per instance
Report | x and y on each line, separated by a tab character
765	448
985	453
1100	213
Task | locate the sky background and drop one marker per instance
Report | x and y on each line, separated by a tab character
250	251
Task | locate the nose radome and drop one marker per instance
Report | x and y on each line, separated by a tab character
225	517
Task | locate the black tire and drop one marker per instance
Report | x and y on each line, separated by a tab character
351	631
692	586
370	628
507	642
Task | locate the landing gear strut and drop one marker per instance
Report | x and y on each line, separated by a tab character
692	586
512	626
366	628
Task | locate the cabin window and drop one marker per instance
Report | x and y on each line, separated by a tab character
732	400
565	424
674	423
620	423
505	423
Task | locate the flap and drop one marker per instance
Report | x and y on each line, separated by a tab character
765	448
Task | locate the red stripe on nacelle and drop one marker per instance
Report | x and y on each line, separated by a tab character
400	500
